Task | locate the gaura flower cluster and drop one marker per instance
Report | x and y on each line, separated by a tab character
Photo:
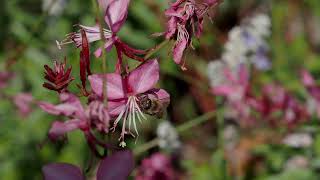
85	118
157	166
127	95
275	105
313	90
185	20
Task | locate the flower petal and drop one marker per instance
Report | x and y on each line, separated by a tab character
114	85
116	14
223	90
178	50
243	75
98	52
62	109
62	171
118	166
171	27
23	102
307	79
162	95
144	77
115	107
71	106
59	128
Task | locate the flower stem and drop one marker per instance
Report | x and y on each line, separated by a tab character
156	49
195	122
220	124
183	127
104	52
146	146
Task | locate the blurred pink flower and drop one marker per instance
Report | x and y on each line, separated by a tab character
125	93
95	115
156	167
23	102
278	106
4	78
237	92
312	88
185	19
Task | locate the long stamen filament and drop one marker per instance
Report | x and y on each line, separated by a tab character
129	114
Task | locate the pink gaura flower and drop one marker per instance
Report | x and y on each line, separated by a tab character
237	93
23	102
4	78
185	19
94	116
313	89
277	106
156	167
126	95
115	15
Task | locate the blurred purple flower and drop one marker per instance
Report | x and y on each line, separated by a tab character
247	43
125	93
23	102
185	19
62	171
94	116
4	78
117	166
260	59
156	167
59	77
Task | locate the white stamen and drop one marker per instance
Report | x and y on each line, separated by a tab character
129	113
182	33
76	38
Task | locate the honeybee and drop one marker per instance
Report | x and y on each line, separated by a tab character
152	106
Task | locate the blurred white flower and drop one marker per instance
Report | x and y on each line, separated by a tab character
296	162
231	136
54	7
261	24
246	43
215	73
298	140
168	136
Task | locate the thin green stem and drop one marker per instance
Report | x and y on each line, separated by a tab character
187	125
195	122
156	49
104	52
220	124
146	146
